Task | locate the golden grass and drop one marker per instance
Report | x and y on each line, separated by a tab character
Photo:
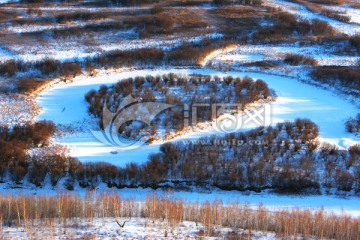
25	211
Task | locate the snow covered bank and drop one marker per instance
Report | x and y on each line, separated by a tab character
65	104
347	10
135	228
274	202
324	55
71	51
301	12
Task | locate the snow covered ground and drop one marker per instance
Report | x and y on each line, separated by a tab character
7	1
325	56
28	28
64	104
16	109
69	50
272	201
135	228
301	12
346	10
295	100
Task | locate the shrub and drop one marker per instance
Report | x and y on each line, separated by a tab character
336	15
42	131
347	76
37	134
57	165
29	85
355	41
37	171
18	164
70	70
49	66
322	28
231	2
344	180
353	124
163	90
188	54
295	60
129	58
8	68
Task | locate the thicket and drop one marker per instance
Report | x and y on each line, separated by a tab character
353	124
286	158
134	2
29	85
17	163
288	25
175	90
329	2
296	60
187	54
317	6
48	68
232	2
283	158
81	16
355	41
107	2
344	76
14	144
37	213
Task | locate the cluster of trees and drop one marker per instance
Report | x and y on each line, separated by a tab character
296	60
177	91
287	25
316	6
353	124
152	25
281	158
355	41
14	144
345	76
187	54
133	2
17	163
117	2
229	2
285	158
28	85
81	16
48	67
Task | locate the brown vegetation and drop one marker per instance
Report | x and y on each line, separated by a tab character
345	76
317	6
8	68
30	211
353	124
15	143
355	41
296	60
287	25
233	2
29	85
197	89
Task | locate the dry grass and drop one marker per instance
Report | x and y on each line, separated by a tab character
26	211
347	76
31	85
296	60
317	6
